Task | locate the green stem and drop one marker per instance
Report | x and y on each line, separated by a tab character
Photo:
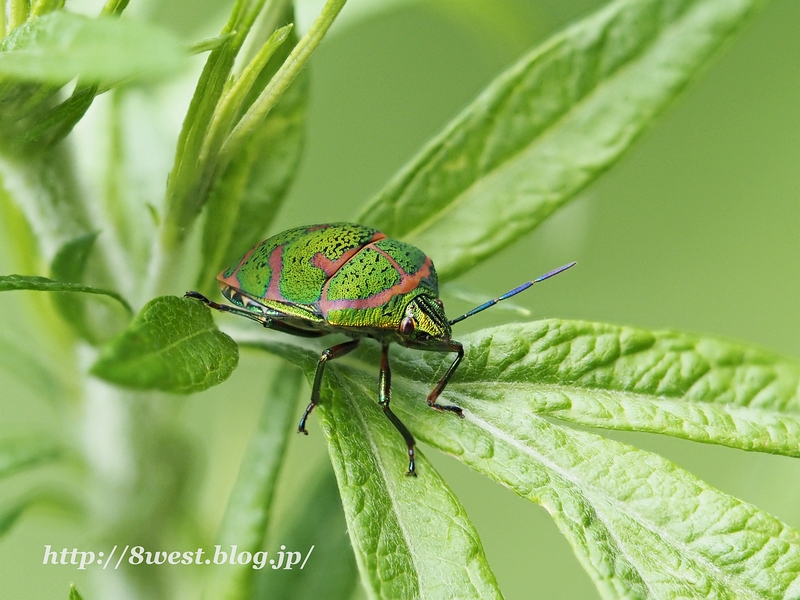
114	7
190	178
209	44
18	13
280	82
230	104
43	7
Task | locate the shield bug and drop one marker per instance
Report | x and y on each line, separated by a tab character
344	278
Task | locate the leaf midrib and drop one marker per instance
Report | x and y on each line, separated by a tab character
633	396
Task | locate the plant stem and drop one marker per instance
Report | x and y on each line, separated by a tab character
196	165
230	103
282	79
18	13
42	7
114	7
191	175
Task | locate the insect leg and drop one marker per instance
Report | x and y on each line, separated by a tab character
434	395
227	308
269	322
384	396
329	354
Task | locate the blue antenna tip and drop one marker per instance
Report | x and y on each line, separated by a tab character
555	271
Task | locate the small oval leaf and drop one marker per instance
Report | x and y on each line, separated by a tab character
69	265
172	345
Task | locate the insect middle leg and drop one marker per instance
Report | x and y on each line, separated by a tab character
384	397
329	354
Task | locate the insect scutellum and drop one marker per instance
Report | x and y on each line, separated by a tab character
344	278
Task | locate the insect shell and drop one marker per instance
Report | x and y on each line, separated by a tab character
345	278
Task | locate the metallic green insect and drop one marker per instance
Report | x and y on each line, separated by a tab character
345	278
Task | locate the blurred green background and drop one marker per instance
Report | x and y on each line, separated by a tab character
696	229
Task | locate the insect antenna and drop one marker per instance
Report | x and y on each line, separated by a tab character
513	292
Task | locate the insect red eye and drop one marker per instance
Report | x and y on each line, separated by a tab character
407	326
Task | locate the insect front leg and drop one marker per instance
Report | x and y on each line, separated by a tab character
329	354
269	321
235	310
384	396
434	395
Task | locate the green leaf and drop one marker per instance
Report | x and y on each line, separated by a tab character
59	46
10	515
69	262
172	345
640	526
202	156
25	453
273	153
249	507
316	520
549	126
599	375
69	265
390	517
73	593
233	183
52	126
43	284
